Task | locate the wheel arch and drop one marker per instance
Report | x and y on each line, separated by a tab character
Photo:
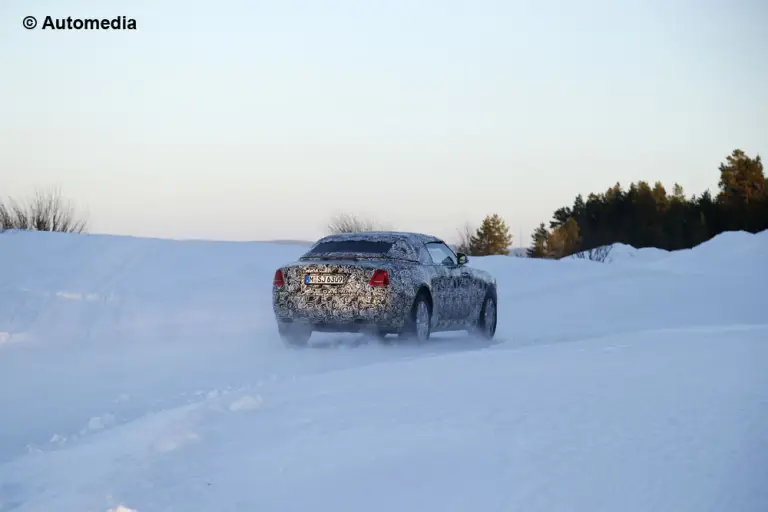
423	289
490	291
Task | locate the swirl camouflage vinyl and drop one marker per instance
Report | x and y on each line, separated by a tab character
455	292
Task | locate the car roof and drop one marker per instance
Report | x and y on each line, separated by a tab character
389	236
405	245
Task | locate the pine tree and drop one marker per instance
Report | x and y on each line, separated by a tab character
741	179
744	193
564	240
538	248
492	237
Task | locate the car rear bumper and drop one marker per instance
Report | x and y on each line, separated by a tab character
338	321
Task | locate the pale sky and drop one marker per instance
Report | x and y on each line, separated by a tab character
254	120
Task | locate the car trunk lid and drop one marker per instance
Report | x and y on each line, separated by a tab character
332	290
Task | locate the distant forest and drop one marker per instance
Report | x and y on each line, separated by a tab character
648	216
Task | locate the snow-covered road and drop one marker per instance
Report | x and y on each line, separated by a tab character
147	374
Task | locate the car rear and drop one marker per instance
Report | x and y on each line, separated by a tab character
337	287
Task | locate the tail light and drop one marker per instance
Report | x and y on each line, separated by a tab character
379	278
278	279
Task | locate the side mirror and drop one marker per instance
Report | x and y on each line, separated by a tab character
462	258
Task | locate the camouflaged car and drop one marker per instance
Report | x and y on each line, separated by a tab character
380	283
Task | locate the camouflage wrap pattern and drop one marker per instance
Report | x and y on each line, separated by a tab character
456	291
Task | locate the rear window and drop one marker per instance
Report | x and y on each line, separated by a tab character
352	246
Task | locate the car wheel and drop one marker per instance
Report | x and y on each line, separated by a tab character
294	336
486	324
419	326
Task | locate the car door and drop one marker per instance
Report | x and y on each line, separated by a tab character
467	285
448	282
464	290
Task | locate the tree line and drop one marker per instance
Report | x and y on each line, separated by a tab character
648	216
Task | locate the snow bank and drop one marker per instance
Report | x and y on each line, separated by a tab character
626	254
146	374
733	252
61	288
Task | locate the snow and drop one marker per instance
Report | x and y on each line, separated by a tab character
626	254
146	375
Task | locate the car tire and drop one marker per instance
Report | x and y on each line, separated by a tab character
486	323
419	325
294	336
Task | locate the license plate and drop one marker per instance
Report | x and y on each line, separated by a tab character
325	279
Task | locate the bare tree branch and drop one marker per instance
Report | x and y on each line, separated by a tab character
348	223
45	211
599	254
465	238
